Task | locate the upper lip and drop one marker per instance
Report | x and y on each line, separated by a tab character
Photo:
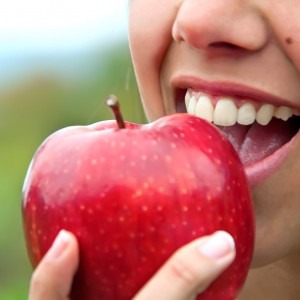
230	89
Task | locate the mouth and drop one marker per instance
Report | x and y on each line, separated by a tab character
261	129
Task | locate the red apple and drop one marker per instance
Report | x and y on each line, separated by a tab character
133	194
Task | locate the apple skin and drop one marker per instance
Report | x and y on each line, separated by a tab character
133	196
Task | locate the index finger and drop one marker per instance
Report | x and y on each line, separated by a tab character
191	269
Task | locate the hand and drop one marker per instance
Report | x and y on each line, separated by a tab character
188	272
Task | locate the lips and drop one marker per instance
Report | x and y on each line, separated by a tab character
262	129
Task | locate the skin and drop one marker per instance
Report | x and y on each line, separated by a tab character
247	42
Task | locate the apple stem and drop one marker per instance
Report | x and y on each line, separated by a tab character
113	103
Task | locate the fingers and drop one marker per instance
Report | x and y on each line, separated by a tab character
52	279
191	269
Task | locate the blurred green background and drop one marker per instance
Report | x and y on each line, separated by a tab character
42	90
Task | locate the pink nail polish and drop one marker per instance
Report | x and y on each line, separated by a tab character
59	245
217	246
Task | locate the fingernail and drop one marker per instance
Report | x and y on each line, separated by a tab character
217	245
59	245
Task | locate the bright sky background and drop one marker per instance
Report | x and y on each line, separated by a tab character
59	25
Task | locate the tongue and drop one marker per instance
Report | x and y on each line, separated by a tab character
256	142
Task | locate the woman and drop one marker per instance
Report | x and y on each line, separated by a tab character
235	62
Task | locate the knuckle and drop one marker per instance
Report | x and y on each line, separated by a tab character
185	271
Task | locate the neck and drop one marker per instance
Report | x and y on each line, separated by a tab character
276	281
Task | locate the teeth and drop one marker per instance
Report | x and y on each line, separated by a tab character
283	113
246	114
205	109
187	98
192	105
226	113
265	114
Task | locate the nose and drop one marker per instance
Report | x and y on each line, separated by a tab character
219	24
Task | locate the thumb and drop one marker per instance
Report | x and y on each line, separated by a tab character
191	269
52	279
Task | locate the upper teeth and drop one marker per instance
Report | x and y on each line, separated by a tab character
226	113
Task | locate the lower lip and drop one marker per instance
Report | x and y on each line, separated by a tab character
258	172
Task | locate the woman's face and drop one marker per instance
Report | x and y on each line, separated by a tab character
243	59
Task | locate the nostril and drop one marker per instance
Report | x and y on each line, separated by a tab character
224	45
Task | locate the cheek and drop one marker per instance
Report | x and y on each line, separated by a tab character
287	32
150	27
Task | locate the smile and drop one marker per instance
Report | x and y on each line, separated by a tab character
225	111
262	132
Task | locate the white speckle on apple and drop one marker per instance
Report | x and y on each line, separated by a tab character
102	195
173	145
218	161
82	207
88	177
138	193
103	159
145	208
33	207
199	208
155	157
183	191
208	197
144	157
113	144
94	161
79	162
175	135
168	159
132	163
209	150
159	208
185	209
146	185
172	180
121	219
161	189
152	229
184	223
122	157
150	179
122	144
111	267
